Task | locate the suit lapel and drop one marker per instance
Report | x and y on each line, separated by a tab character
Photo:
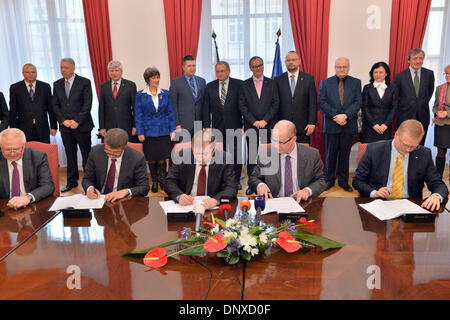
74	85
27	165
121	89
335	89
5	175
103	168
386	161
190	174
414	158
25	92
301	163
188	87
125	158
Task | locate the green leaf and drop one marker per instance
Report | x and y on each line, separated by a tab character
317	240
193	251
234	259
222	254
221	222
164	245
245	255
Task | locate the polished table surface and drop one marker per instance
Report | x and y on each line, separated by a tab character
412	259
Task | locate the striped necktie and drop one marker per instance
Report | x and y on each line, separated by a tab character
397	183
223	94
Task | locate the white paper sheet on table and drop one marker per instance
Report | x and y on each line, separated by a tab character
172	206
275	205
386	210
77	201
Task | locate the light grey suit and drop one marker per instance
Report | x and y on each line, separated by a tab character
187	109
309	172
37	177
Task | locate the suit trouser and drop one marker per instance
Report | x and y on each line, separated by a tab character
338	148
71	141
35	137
260	137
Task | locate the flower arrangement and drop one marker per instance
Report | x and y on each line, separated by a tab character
241	237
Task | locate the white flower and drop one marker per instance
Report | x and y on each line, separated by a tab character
254	251
244	231
230	222
263	237
215	229
228	234
247	241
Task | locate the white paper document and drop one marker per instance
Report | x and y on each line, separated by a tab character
172	206
78	201
276	205
391	209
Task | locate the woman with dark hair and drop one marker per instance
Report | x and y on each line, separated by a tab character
379	104
441	110
155	125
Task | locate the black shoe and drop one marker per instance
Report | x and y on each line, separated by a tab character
155	186
239	186
346	187
249	191
69	187
329	185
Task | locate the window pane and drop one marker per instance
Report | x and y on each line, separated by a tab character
434	33
437	3
226	7
266	6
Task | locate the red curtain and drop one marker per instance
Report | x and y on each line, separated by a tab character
182	30
310	24
408	25
96	16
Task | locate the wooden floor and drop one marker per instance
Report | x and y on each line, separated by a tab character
335	191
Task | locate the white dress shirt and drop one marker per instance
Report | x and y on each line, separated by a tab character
295	77
155	98
71	79
413	73
381	88
118	84
33	84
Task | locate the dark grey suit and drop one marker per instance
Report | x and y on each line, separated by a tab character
187	109
37	177
309	172
132	175
4	113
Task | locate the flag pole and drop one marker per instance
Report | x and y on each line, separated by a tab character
214	36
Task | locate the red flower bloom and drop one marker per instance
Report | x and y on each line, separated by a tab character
212	225
287	242
215	243
155	258
309	223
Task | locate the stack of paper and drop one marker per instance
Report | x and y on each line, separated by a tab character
77	201
282	205
171	206
386	210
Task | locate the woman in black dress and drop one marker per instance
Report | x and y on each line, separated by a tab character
379	105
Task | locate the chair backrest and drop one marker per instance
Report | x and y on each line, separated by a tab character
52	155
136	146
361	149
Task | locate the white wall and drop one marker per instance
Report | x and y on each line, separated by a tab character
138	37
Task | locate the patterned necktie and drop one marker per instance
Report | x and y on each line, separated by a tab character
115	91
31	92
258	88
288	177
193	89
201	184
292	84
67	89
111	176
223	94
15	183
416	83
341	90
397	183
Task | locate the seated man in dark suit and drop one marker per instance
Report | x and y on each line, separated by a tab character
297	171
115	170
399	168
203	172
24	172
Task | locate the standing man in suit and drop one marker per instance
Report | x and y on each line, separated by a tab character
25	173
4	113
259	103
340	100
116	102
187	93
30	103
298	98
115	170
398	168
415	88
221	112
205	173
299	171
72	103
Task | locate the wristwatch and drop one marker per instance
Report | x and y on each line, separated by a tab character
29	196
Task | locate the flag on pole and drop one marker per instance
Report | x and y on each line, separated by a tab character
215	44
277	66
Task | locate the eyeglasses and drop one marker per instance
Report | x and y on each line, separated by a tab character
257	66
407	146
115	154
13	150
281	142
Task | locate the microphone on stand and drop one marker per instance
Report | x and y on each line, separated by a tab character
245	206
260	204
225	207
199	211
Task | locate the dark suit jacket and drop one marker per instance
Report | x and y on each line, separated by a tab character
77	107
4	113
117	113
410	106
221	180
226	117
301	108
132	175
309	171
37	177
23	110
330	104
373	171
254	109
186	108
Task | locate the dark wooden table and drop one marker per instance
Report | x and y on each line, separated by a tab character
413	259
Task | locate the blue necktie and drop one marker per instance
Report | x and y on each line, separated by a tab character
193	88
292	84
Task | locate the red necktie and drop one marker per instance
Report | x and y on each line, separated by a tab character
201	184
111	176
115	90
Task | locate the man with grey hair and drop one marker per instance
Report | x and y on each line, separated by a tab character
30	103
415	88
72	103
116	102
25	173
115	170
